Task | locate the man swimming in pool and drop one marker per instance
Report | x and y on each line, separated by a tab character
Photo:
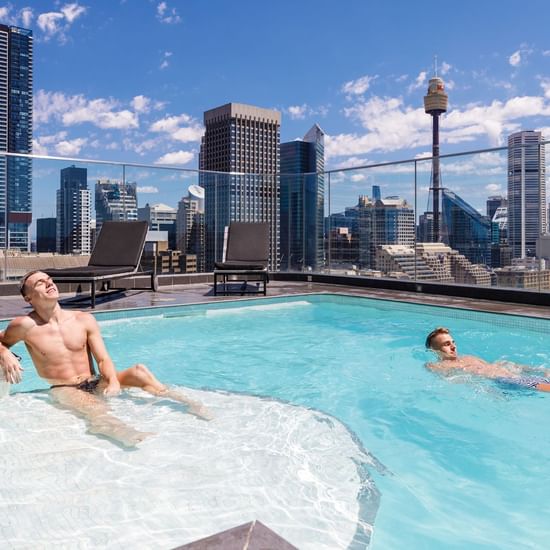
61	344
441	342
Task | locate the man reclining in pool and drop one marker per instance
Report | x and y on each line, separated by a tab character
61	344
441	342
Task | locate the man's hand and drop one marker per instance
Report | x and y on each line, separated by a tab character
13	371
113	388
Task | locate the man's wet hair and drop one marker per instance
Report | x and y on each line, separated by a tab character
433	334
23	281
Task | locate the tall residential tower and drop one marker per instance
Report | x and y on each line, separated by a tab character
526	192
74	204
15	136
242	141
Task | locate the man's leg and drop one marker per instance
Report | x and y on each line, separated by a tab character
97	416
139	376
543	386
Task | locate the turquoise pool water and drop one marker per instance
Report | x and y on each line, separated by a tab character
459	463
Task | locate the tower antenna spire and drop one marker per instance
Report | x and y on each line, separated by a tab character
435	65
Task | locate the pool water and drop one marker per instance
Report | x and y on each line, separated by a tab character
348	417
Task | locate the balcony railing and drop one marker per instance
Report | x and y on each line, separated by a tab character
491	227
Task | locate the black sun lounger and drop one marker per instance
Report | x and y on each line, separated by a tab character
246	258
117	254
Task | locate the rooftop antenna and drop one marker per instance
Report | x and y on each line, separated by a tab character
435	65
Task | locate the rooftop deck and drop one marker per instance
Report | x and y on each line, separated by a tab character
12	306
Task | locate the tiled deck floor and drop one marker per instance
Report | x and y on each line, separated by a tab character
12	306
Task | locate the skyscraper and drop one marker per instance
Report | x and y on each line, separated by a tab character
160	217
380	222
190	238
244	141
302	201
494	202
74	204
15	136
115	200
526	192
465	229
45	234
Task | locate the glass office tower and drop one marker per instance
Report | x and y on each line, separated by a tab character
16	55
302	202
465	229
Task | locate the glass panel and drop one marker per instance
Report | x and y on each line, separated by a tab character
372	221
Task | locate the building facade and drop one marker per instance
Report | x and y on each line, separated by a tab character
74	203
465	229
242	141
45	234
190	236
302	202
115	200
160	217
16	82
526	192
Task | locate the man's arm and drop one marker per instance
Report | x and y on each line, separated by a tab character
99	351
15	332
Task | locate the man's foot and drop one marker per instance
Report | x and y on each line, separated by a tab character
129	437
200	411
194	407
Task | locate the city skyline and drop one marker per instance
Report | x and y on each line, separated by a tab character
144	100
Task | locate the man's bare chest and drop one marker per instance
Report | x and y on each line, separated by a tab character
58	340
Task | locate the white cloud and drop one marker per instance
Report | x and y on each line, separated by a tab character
419	82
23	17
57	23
515	59
545	84
147	189
546	53
26	17
177	157
166	14
165	63
182	128
445	68
43	143
72	11
493	187
68	148
76	109
358	177
297	111
391	125
170	124
141	104
359	86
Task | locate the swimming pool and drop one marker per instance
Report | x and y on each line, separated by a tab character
326	423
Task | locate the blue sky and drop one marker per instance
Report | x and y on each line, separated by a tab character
129	80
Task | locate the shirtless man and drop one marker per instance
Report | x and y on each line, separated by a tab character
61	344
441	342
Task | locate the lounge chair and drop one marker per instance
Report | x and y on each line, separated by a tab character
116	254
246	258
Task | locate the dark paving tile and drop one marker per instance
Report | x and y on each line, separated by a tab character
12	306
250	536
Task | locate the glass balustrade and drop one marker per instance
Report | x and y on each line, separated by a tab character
478	218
